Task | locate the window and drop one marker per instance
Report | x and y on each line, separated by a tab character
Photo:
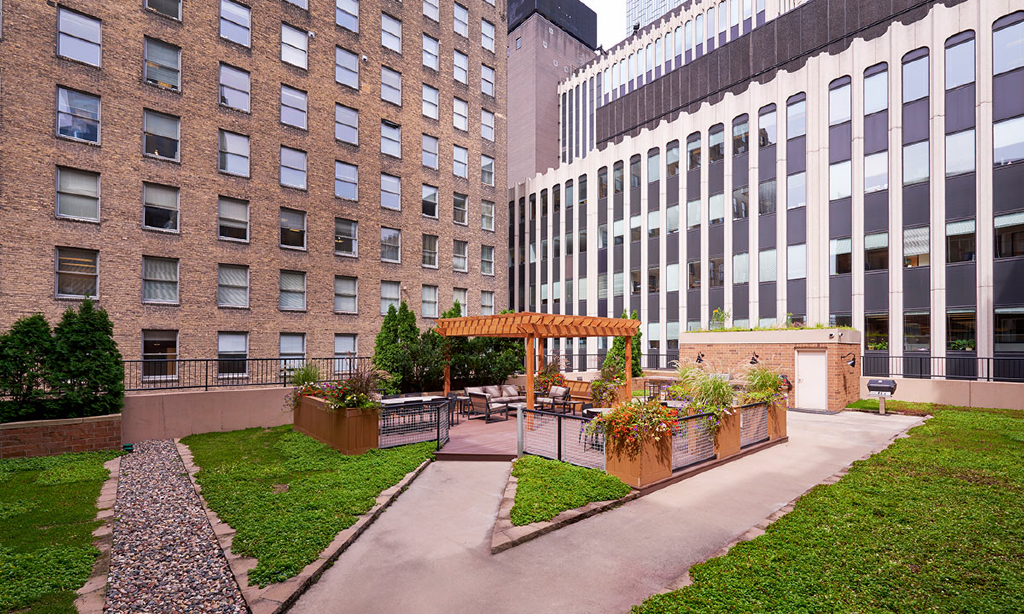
796	261
602	286
429	251
839	102
234	153
653	165
302	4
430	153
840	177
431	10
346	180
162	66
78	194
460	206
672	277
916	331
1008	141
390	86
1008	50
876	172
487	170
344	353
391	32
716	272
672	219
766	128
740	136
634	228
796	118
672	159
1009	329
460	65
486	80
170	8
232	285
915	79
293	107
487	125
1009	235
740	203
876	252
766	197
716	144
915	247
235	22
618	232
292	350
487	34
293	228
460	114
78	36
346	237
876	91
618	281
960	153
292	295
160	135
429	201
740	268
653	279
617	178
159	280
431	51
346	14
692	214
796	188
960	244
390	139
487	220
693	274
78	115
390	192
293	168
159	207
429	304
840	260
960	64
232	219
766	265
460	161
232	354
77	273
346	295
234	88
461	20
390	244
294	45
460	256
716	209
915	163
961	330
602	182
159	354
486	303
346	124
346	68
390	295
693	152
430	101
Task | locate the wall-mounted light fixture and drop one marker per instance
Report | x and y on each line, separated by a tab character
700	357
753	359
851	359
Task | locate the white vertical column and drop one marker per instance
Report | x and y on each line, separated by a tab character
937	187
984	235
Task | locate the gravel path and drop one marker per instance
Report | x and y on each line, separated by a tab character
165	556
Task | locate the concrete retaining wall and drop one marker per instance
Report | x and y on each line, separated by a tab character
46	437
1003	395
168	415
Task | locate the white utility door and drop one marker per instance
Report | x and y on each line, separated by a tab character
811	380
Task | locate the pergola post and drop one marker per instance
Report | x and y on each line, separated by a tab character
529	372
629	369
540	354
447	379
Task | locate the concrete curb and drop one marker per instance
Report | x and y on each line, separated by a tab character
506	535
278	598
760	528
92	595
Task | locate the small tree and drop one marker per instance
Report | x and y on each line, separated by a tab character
387	352
24	352
85	368
616	356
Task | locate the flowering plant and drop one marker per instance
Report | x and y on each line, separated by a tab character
631	423
543	382
356	392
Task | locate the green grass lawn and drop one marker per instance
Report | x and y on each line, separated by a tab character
935	523
287	495
47	516
547	488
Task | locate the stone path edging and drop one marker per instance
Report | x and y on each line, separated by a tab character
506	535
760	528
92	595
278	598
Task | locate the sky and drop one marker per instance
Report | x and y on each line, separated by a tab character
611	21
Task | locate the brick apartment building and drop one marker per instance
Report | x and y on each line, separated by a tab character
251	178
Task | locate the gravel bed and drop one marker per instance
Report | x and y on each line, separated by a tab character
165	556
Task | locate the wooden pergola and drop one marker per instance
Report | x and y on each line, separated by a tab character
531	326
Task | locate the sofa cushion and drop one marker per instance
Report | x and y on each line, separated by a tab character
508	390
515	399
494	391
559	392
475	390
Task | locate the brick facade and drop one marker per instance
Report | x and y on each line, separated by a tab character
30	152
46	437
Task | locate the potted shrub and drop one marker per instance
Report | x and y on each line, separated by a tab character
764	385
344	414
547	377
638	440
605	391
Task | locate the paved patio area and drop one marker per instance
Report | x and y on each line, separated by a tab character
476	440
430	551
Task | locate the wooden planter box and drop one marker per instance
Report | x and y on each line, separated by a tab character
777	420
653	463
349	431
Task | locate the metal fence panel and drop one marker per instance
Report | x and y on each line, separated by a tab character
562	437
951	367
407	423
753	425
693	441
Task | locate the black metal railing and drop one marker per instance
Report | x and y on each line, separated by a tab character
414	421
562	437
206	373
954	366
571	361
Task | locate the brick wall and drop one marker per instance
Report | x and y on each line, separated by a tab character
46	437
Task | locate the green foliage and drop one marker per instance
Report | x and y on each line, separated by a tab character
47	515
616	356
934	523
308	373
387	352
548	376
763	385
879	345
243	475
547	487
85	367
718	318
24	351
631	423
962	345
604	391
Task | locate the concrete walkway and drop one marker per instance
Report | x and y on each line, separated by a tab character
430	551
